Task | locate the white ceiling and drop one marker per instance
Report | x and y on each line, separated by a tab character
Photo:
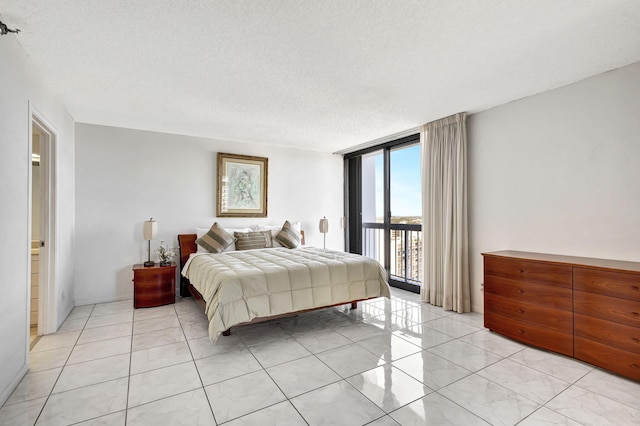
322	75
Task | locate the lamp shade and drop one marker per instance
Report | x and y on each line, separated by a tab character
150	229
324	225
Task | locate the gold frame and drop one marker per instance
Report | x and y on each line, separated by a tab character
242	169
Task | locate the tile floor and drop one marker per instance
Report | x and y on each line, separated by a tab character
390	362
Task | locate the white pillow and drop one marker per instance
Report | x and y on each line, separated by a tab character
275	229
201	231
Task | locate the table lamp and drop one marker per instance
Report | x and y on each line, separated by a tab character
324	228
149	232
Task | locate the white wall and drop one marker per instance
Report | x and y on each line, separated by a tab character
127	176
19	86
558	173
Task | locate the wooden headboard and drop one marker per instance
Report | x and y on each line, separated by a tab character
187	245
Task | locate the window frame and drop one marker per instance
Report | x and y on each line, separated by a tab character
353	201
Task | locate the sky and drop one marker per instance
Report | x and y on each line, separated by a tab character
406	197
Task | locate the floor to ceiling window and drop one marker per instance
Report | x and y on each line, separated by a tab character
384	208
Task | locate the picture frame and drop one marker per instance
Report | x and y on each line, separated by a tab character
242	185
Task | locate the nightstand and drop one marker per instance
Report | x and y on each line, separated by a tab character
154	285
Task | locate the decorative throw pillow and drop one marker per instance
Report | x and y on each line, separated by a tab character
274	231
288	236
201	231
216	240
252	240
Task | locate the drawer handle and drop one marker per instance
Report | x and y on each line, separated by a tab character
635	314
635	366
520	311
521	271
635	287
520	290
521	331
635	339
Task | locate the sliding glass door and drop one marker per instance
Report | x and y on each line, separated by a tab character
384	209
406	217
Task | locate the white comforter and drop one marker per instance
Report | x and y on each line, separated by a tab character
239	286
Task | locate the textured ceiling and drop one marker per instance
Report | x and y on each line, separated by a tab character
322	75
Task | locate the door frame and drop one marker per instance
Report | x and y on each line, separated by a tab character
47	283
353	205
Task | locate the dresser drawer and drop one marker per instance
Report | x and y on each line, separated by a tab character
616	284
529	272
535	335
607	357
561	320
610	333
613	309
534	294
153	276
145	299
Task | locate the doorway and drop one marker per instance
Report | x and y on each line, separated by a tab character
41	302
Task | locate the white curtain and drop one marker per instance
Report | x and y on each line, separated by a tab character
444	210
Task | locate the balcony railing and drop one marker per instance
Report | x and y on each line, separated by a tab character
405	255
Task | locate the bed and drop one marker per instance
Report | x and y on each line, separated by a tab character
241	287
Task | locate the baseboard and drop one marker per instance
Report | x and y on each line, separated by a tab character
6	393
478	307
64	316
83	302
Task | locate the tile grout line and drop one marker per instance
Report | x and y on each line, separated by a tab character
287	399
278	386
126	401
312	354
193	360
358	343
330	327
342	379
637	408
390	363
62	369
345	379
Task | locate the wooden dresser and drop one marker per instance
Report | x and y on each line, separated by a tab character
581	307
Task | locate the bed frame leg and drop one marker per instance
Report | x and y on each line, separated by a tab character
227	332
354	305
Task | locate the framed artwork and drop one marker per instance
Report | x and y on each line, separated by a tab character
242	186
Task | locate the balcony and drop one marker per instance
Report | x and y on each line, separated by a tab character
405	254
